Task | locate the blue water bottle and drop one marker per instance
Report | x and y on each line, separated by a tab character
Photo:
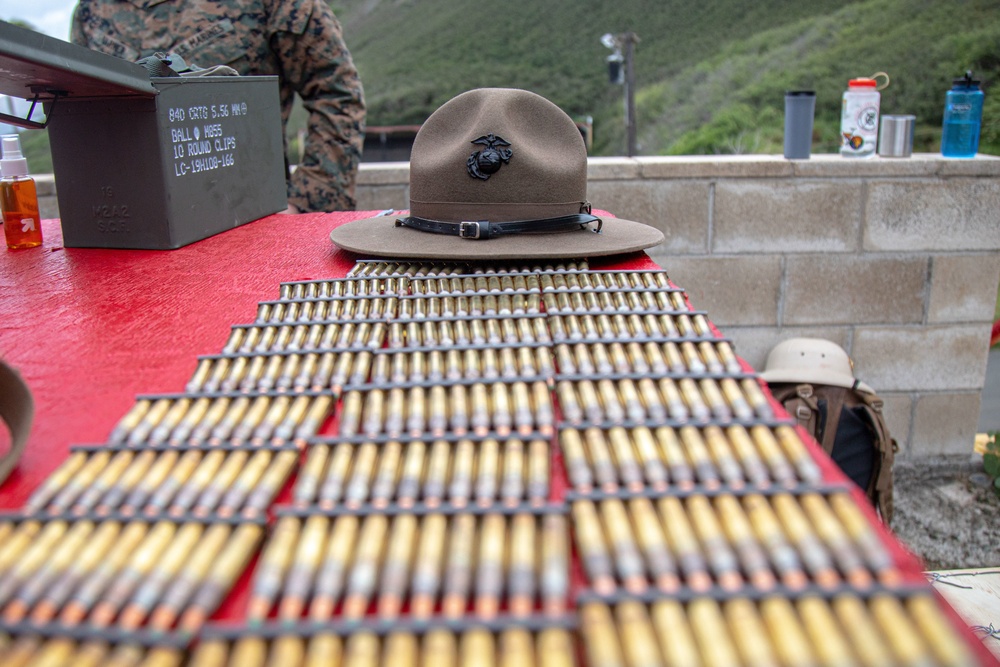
963	116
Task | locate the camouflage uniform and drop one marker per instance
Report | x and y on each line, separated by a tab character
298	40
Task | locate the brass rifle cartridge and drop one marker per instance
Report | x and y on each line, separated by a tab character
876	556
259	498
671	355
600	637
488	471
489	363
861	631
459	563
262	411
358	486
589	399
684	543
350	416
362	650
753	559
479	405
749	634
709	628
697	451
750	461
836	539
383	486
692	360
784	558
523	570
516	648
500	403
395	413
416	416
512	476
901	634
713	364
105	480
681	472
601	462
497	333
199	479
436	365
489	568
476	648
305	562
274	565
675	404
700	411
828	641
734	398
778	465
332	489
436	480
629	396
636	357
937	631
80	482
575	460
521	408
411	473
537	474
132	419
201	374
799	530
755	396
544	413
508	362
161	432
555	648
594	554
245	482
720	555
55	482
233	415
554	564
324	649
806	467
627	558
466	364
437	416
400	649
363	577
395	575
652	542
330	578
428	564
674	633
310	475
569	405
526	362
625	462
638	640
189	578
723	457
648	458
373	413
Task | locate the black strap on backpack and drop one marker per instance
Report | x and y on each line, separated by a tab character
818	409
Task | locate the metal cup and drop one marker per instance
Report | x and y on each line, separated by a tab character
800	106
895	136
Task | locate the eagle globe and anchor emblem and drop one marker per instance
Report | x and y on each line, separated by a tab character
487	161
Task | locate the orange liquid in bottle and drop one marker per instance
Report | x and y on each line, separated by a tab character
19	201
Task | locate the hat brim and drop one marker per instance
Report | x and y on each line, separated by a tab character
815	376
379	237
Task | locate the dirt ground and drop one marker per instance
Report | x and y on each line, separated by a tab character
946	513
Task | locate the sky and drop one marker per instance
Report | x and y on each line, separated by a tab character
48	16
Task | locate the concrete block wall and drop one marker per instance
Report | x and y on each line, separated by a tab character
896	260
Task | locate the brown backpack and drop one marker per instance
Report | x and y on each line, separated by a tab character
818	409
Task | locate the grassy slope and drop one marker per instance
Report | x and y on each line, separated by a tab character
710	75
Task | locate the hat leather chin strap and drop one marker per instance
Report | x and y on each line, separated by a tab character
479	230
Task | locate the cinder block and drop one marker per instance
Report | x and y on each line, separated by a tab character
734	290
963	288
384	173
847	289
944	424
382	197
754	343
786	216
939	358
898	413
677	208
836	165
612	169
932	215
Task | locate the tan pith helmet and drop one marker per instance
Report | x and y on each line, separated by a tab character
813	361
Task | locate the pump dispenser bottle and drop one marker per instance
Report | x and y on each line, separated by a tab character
18	198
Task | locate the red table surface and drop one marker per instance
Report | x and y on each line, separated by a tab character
90	329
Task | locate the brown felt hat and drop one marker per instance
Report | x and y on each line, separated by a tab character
497	173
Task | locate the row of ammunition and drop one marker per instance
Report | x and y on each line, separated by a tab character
664	457
477	647
658	401
457	473
204	483
423	565
632	327
122	573
545	281
808	631
208	421
479	408
728	542
35	651
341	310
656	359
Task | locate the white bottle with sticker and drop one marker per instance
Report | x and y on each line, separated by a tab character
859	116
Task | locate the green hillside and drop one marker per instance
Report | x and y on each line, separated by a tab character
710	75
